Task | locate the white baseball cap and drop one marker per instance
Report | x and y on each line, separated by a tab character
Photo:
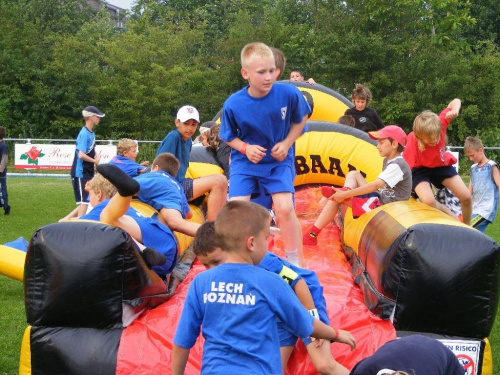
188	112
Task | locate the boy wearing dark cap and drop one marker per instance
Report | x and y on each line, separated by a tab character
393	184
85	157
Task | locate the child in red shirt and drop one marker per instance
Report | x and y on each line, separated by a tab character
426	155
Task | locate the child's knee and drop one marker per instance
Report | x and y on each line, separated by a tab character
428	200
219	181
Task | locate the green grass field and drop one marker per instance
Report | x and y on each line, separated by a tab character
39	201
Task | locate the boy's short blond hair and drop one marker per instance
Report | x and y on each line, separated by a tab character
124	145
99	183
167	162
256	50
473	144
238	220
426	124
362	92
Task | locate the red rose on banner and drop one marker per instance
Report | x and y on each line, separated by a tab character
32	155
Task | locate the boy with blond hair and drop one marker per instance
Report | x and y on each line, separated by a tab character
484	184
125	160
236	303
85	159
429	162
261	123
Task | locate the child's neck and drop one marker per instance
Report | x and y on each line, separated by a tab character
393	155
483	161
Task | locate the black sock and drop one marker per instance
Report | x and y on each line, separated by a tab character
125	184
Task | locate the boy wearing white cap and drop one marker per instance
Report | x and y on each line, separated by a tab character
178	142
393	184
85	158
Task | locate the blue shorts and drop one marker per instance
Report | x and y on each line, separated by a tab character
81	195
287	338
279	180
480	223
434	176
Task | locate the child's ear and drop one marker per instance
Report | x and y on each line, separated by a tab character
250	243
244	73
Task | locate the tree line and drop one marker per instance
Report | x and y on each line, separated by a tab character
58	56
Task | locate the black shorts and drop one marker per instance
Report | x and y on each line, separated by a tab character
81	196
187	185
434	176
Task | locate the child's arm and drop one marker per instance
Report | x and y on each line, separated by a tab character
254	153
370	187
323	331
455	106
280	149
303	294
3	162
174	221
496	178
179	359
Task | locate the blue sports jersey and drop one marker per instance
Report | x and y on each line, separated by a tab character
261	121
154	235
237	305
85	142
273	263
160	190
181	148
127	165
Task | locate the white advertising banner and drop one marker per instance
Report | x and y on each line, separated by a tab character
51	156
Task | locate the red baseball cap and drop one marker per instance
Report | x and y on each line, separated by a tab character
390	131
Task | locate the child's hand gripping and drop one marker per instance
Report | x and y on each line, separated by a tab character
345	337
255	153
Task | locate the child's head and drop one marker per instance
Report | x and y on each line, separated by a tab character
347	120
204	131
187	121
296	75
213	139
361	96
128	148
99	189
427	129
243	227
206	246
280	61
390	138
474	149
92	115
258	68
2	132
166	162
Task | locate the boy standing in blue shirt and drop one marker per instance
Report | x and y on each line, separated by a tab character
178	142
85	158
305	284
237	304
484	184
261	123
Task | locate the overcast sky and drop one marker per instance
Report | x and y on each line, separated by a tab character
125	4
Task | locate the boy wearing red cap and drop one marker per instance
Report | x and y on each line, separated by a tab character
393	184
